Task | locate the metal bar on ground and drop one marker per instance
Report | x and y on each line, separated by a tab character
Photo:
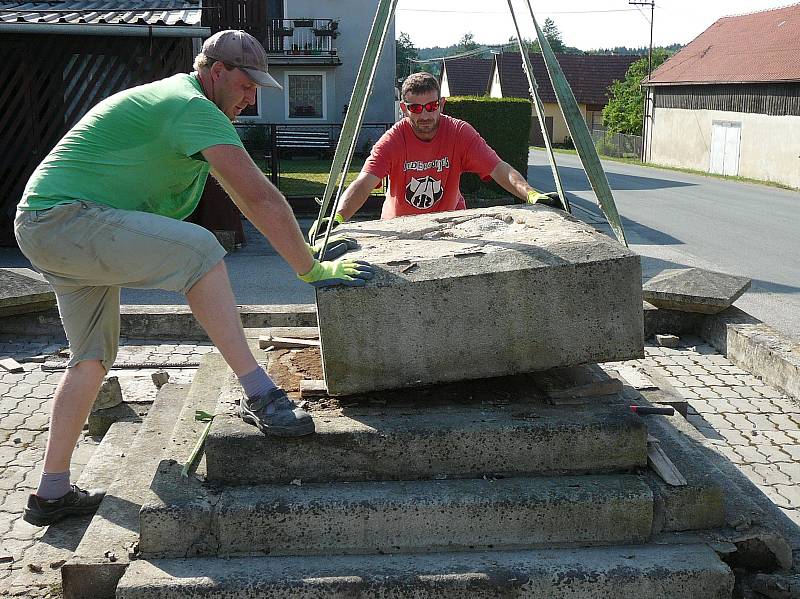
355	113
537	103
580	134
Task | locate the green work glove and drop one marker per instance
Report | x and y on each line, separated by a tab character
350	273
548	199
336	247
321	225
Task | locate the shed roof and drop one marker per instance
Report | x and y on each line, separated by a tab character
589	75
468	76
103	12
756	47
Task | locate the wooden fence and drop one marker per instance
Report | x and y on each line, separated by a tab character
51	81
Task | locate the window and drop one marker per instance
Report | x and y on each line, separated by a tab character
305	95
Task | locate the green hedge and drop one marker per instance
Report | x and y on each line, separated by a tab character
505	124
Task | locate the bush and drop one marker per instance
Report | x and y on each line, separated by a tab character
505	124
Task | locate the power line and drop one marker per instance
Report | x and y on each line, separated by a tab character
495	12
480	50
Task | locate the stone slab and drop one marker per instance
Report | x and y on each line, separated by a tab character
418	443
417	516
694	290
166	321
756	347
88	574
101	420
186	504
625	572
479	293
61	539
670	321
20	294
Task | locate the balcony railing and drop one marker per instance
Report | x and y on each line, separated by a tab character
302	37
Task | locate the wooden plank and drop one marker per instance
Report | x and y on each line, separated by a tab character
11	365
576	384
662	465
286	342
292	332
315	388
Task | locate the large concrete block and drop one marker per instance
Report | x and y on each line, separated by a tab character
479	293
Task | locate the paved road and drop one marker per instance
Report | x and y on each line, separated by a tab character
676	219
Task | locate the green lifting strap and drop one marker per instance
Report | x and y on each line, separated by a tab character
580	134
537	103
355	114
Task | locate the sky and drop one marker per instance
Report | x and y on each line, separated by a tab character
585	24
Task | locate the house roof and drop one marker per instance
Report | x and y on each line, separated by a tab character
756	47
102	12
589	75
467	76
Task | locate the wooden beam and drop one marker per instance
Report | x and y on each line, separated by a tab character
662	465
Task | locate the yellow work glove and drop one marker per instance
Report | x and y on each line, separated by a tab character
350	273
337	246
321	225
547	199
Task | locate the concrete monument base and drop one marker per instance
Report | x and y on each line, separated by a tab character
479	293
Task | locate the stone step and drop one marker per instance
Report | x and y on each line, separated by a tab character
627	572
403	516
60	540
452	441
90	573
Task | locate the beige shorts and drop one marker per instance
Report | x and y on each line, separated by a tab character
87	252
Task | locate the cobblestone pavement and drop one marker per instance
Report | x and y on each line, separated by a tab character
24	415
752	424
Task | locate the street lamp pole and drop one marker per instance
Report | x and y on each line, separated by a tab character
652	5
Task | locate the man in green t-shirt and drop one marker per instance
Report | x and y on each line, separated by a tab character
103	210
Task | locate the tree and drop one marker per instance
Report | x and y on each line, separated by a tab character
405	51
467	43
553	36
625	110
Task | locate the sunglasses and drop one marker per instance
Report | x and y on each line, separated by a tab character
417	108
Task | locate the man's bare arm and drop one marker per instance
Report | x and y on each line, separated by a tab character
261	202
511	180
357	193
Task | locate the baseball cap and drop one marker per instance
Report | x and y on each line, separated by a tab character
240	49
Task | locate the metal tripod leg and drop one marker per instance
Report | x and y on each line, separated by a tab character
537	103
580	134
355	114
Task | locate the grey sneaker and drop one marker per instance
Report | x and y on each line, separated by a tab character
42	512
286	421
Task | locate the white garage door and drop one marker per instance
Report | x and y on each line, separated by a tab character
725	140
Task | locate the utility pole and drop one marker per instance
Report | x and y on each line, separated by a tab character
652	5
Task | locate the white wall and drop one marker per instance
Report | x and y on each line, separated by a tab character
355	19
769	151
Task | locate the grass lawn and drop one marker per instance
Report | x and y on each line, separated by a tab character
307	177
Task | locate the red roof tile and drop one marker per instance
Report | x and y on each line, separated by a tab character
757	47
589	75
468	76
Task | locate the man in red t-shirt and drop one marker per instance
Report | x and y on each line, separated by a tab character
424	155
